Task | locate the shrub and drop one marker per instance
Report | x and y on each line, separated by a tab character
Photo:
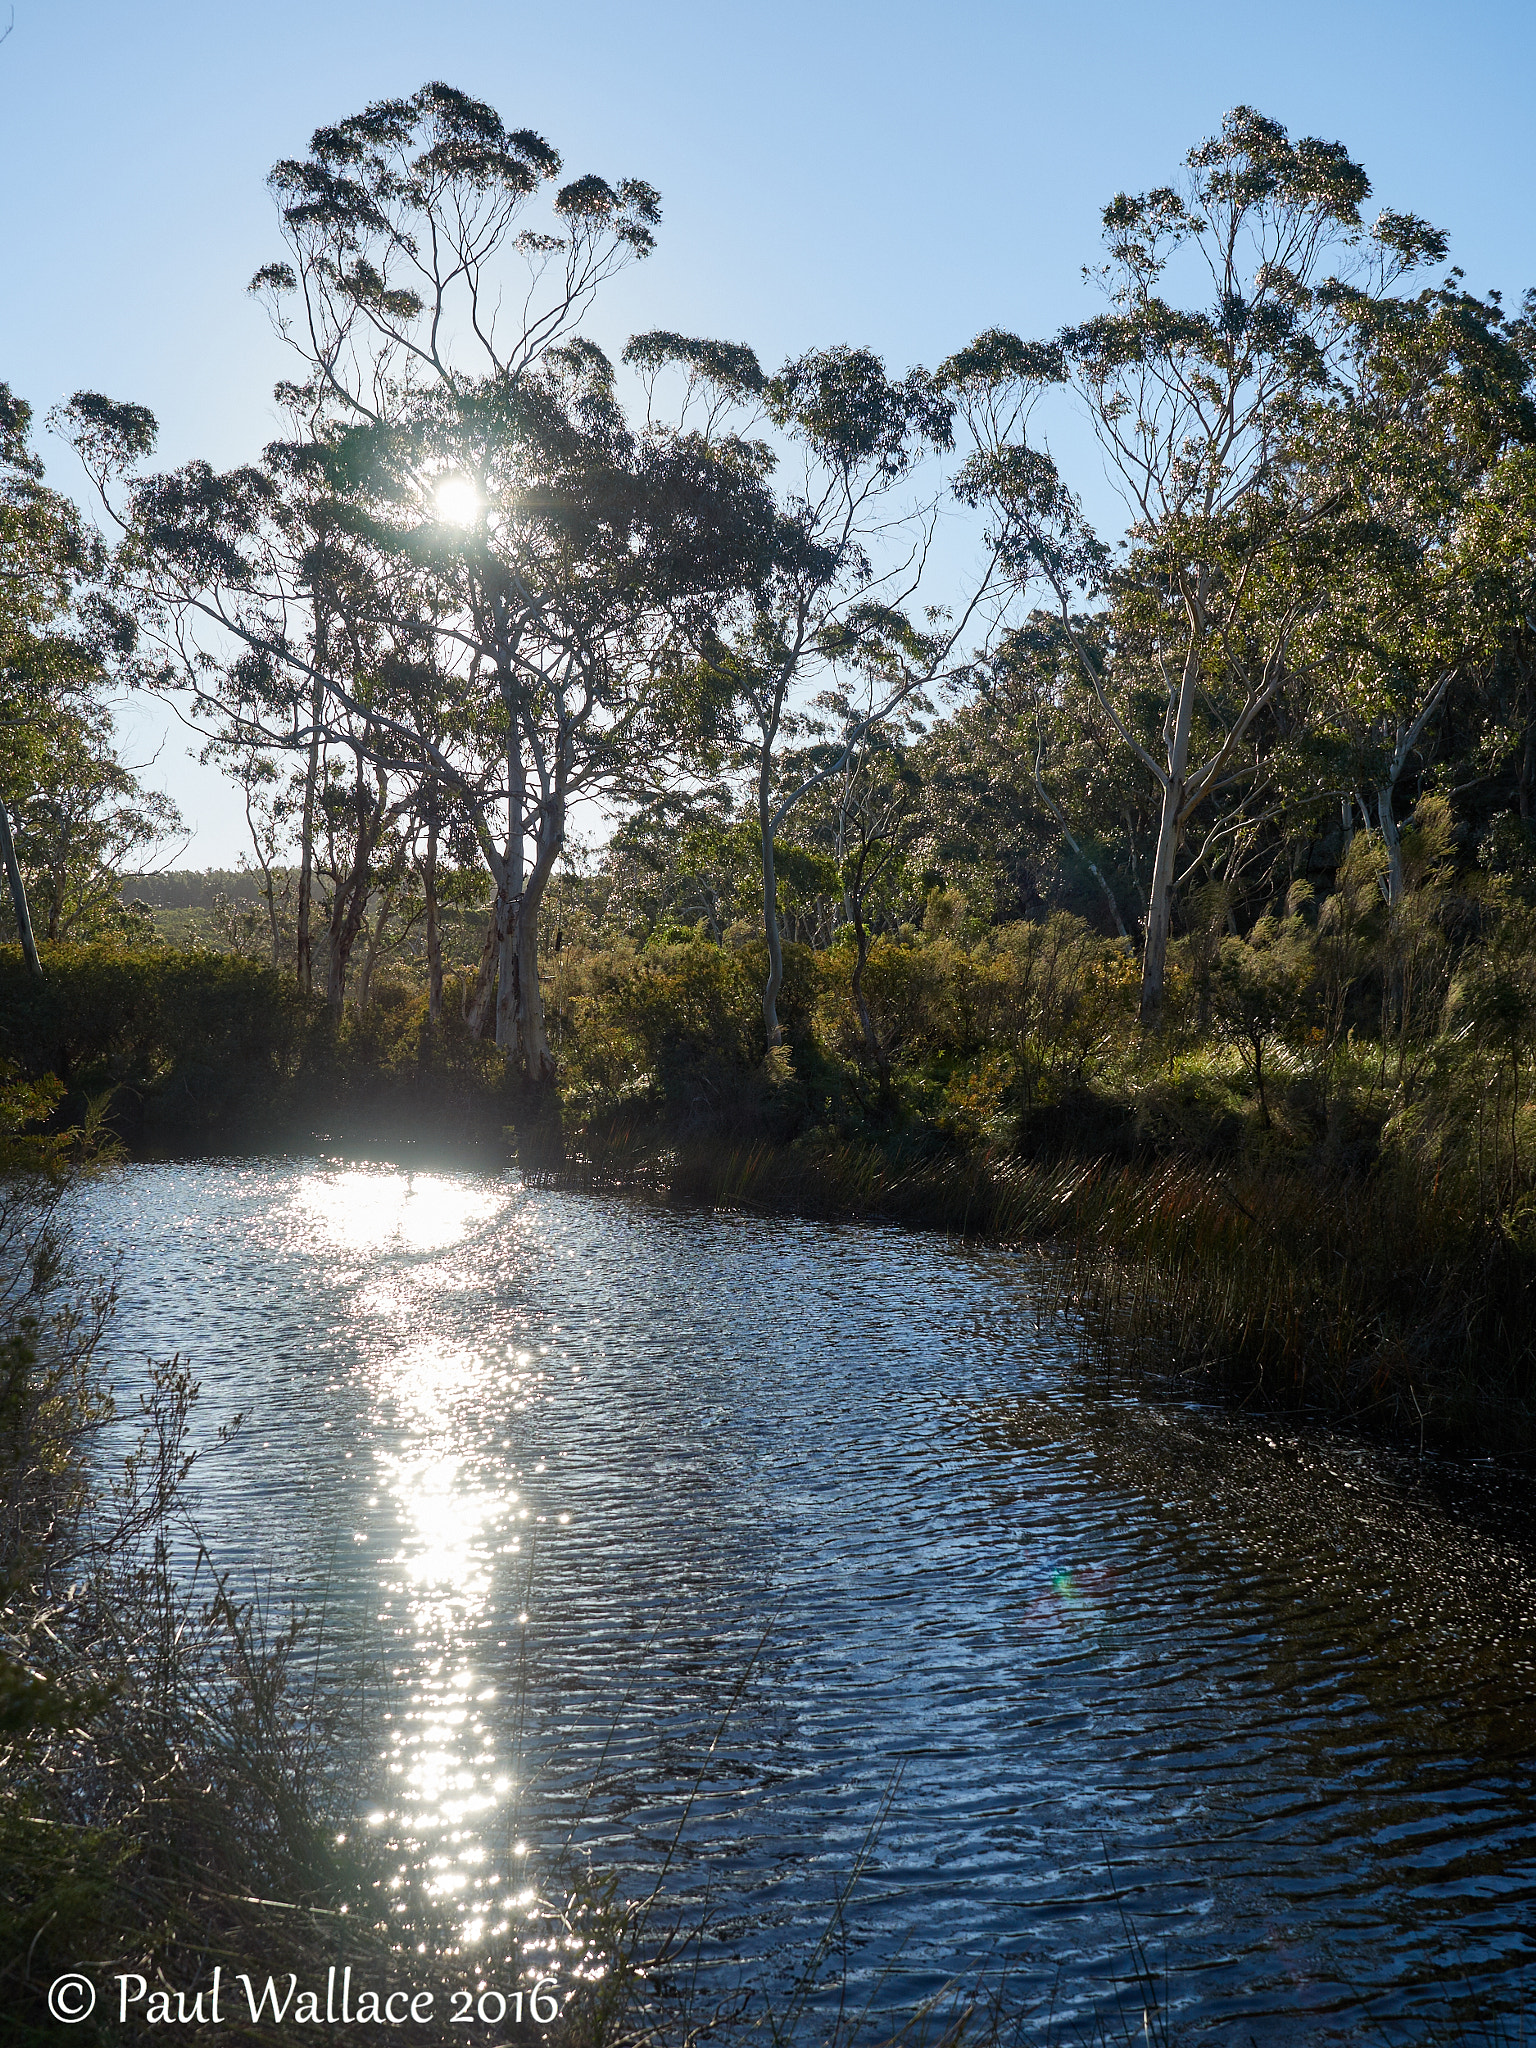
680	1027
192	1049
180	1039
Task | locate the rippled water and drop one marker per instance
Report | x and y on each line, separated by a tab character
819	1533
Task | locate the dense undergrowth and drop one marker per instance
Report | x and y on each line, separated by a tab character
164	1778
198	1051
1314	1186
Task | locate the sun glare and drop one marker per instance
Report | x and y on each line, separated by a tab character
458	501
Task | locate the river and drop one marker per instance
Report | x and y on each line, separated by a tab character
802	1562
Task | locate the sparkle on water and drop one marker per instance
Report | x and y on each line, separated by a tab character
446	1788
567	1469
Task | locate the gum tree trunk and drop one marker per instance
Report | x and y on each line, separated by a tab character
304	960
1154	962
1391	841
876	1050
528	996
477	1004
509	898
434	937
775	979
1154	959
18	897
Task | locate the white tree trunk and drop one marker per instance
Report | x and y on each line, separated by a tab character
775	979
1392	842
509	896
1154	960
18	897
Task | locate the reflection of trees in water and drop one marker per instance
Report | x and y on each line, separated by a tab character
1339	1552
1348	1639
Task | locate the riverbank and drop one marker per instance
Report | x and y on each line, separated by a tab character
1333	1229
172	1782
1371	1300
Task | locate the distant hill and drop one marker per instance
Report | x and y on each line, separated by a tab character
196	888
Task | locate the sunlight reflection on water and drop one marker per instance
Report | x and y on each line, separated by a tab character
367	1208
447	1790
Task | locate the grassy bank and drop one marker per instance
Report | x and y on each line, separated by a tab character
1312	1188
163	1778
1367	1298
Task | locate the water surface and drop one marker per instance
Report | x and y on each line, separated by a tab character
761	1552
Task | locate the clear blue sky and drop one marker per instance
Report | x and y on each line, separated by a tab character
831	170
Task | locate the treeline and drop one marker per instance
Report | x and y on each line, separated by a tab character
196	888
475	586
1252	762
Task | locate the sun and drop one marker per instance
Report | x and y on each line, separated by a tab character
458	501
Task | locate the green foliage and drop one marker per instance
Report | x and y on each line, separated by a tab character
195	1049
77	811
1262	989
1048	997
189	1038
193	888
1285	732
677	1031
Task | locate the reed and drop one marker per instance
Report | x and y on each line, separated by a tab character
178	1782
174	1777
1379	1298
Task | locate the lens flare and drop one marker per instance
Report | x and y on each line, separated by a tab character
458	501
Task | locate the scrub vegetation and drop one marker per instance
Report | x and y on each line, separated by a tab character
165	1771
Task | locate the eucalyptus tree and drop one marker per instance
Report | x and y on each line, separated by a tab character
1414	446
1026	764
830	617
83	821
1196	408
1058	732
1495	707
71	811
462	563
879	816
680	857
44	556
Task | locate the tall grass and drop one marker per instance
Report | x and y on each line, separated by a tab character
173	1785
178	1787
1388	1297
